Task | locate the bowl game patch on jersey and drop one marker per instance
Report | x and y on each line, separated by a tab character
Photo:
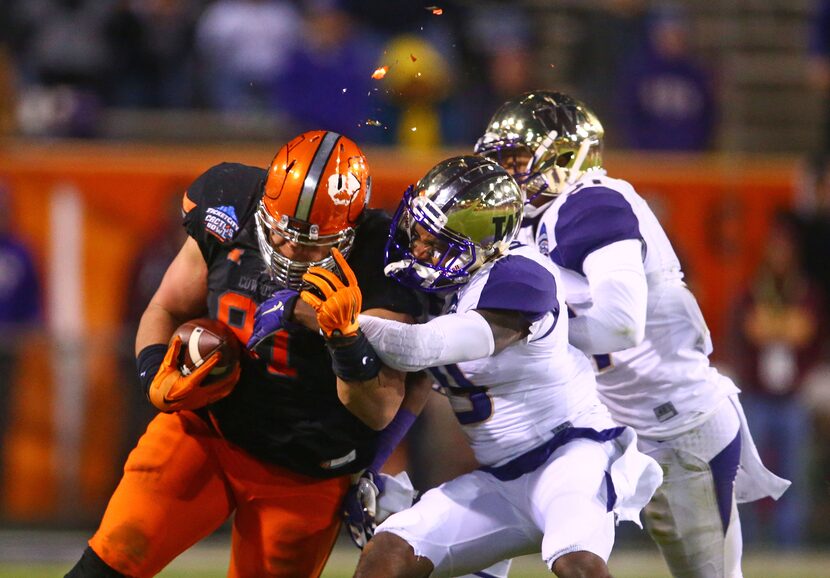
221	222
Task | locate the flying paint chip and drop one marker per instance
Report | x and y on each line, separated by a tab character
435	10
413	58
372	122
380	72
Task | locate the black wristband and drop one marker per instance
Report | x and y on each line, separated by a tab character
148	362
353	358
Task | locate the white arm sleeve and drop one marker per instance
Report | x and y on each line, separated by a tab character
444	340
619	291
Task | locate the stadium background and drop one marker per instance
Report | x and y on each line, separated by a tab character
87	202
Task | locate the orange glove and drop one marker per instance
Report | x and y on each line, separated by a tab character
337	310
171	391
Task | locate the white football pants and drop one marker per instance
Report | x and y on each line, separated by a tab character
693	516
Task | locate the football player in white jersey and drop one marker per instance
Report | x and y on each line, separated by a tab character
556	471
633	314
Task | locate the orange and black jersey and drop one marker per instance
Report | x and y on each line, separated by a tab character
285	408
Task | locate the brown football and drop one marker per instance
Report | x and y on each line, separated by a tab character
202	338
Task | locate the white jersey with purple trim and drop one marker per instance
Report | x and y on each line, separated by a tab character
665	385
510	402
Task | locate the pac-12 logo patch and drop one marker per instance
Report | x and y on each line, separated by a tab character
221	222
543	240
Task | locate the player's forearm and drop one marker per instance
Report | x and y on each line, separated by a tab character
181	296
445	340
615	322
418	390
156	326
378	402
375	402
619	292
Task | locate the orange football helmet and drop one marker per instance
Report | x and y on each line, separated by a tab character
315	192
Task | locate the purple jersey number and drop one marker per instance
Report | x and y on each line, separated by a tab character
453	381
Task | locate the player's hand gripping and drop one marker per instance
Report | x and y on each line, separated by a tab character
172	391
341	302
337	305
360	507
272	315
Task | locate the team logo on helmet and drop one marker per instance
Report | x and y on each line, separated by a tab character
343	188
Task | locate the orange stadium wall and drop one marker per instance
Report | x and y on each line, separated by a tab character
715	209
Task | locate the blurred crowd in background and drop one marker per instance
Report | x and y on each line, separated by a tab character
311	63
416	75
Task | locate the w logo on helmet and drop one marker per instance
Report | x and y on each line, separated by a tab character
343	188
564	118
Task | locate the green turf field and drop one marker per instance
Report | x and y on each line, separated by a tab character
209	561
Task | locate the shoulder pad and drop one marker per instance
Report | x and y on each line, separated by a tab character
518	283
591	218
220	200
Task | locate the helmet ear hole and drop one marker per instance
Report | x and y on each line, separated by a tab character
564	159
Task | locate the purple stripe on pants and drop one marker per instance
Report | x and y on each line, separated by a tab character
724	468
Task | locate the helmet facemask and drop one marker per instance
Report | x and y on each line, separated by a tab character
517	159
289	272
566	168
543	172
448	265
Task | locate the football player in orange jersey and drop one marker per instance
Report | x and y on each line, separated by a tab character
278	445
